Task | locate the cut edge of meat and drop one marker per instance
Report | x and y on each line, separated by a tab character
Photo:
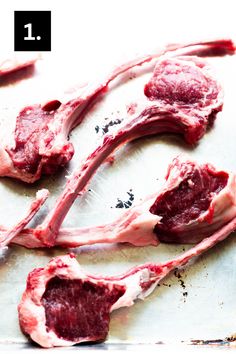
167	85
70	310
65	267
211	209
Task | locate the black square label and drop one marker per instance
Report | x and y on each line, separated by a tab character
32	30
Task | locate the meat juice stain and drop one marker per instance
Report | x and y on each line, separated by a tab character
131	108
182	284
209	342
125	203
168	285
105	128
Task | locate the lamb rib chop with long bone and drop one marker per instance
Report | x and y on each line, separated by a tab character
63	305
195	201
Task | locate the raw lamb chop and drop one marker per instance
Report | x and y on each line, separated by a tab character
7	236
41	134
62	305
189	111
208	201
195	201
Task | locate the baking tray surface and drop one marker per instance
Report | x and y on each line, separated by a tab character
194	303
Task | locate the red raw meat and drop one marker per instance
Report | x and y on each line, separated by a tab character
62	305
195	201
